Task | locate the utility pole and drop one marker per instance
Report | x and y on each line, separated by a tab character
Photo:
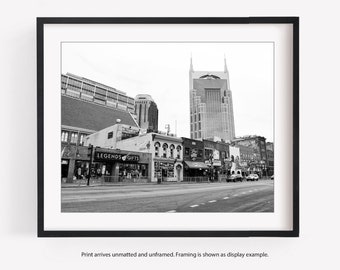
90	154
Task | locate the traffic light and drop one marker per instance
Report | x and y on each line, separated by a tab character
89	150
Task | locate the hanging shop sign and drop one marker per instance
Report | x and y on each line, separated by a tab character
217	163
178	167
105	156
243	164
193	154
166	165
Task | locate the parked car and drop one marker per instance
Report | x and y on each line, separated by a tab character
235	178
272	177
252	177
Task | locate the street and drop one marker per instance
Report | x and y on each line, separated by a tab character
175	197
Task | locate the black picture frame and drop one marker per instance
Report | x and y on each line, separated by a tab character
41	22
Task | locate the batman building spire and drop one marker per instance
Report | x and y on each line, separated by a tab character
211	104
225	65
191	65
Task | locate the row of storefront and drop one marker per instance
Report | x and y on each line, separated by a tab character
153	157
106	165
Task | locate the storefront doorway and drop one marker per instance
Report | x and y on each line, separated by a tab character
64	168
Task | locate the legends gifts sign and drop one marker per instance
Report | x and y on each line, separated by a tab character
105	156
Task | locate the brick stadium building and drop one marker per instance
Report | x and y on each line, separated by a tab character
83	113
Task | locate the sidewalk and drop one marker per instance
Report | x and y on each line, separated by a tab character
83	183
97	184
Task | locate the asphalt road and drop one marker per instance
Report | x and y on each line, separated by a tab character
204	197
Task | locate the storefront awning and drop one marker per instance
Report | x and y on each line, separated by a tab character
196	165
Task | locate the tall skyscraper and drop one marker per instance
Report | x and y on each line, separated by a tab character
147	112
211	104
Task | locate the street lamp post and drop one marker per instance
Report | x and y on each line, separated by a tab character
211	168
90	154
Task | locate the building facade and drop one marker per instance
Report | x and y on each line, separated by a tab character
270	157
82	115
146	112
166	151
216	157
166	154
91	91
235	157
195	169
108	137
211	104
114	165
255	147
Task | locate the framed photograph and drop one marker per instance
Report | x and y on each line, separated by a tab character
168	127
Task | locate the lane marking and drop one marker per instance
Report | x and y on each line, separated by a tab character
171	211
195	205
225	198
235	195
212	201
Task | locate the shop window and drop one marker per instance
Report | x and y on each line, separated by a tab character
157	145
64	167
74	137
157	172
64	136
133	171
81	169
110	135
223	155
207	153
170	172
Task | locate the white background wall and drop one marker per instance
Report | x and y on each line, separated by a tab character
319	109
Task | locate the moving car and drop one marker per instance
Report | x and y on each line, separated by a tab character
252	177
235	178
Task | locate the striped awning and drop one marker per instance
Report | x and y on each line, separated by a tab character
196	165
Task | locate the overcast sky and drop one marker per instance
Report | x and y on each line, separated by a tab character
162	70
